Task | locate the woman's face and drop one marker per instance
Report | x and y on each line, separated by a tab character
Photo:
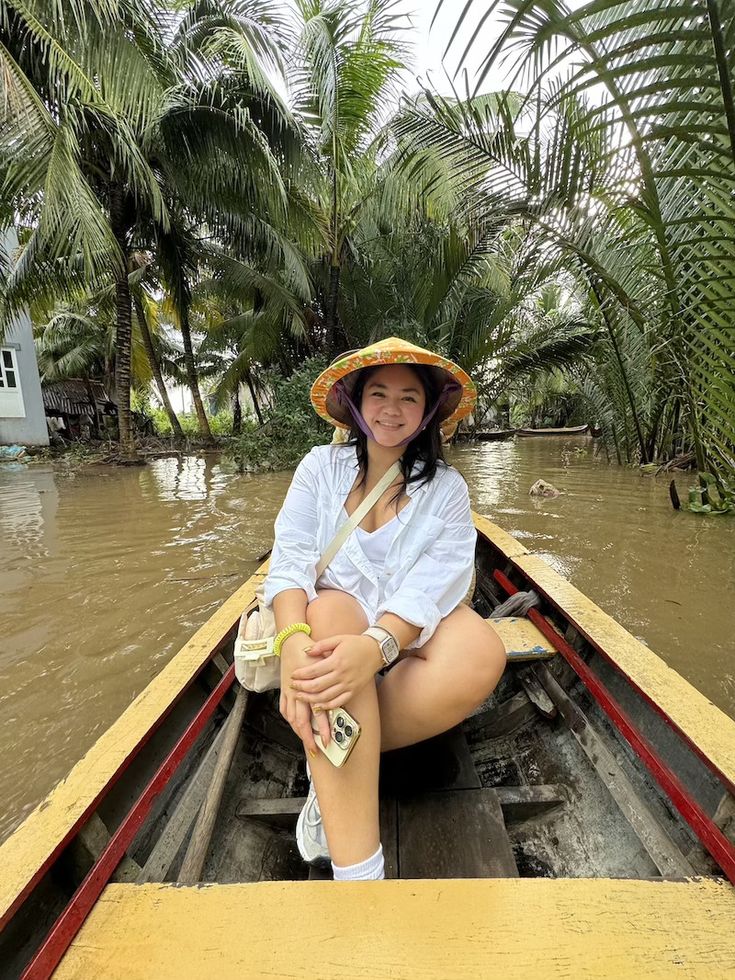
393	404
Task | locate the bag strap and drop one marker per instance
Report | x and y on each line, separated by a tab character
349	526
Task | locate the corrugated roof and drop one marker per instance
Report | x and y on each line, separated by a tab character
72	397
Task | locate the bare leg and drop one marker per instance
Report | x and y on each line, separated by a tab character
348	797
438	685
428	692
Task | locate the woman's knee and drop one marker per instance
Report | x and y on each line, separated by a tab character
334	612
480	654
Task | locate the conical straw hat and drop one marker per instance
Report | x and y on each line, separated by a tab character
393	350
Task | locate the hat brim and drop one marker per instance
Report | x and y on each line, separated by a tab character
459	404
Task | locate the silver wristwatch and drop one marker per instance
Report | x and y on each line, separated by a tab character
388	644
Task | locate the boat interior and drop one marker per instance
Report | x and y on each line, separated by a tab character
537	783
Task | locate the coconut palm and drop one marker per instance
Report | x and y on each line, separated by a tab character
349	57
114	126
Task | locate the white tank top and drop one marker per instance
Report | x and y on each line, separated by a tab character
375	544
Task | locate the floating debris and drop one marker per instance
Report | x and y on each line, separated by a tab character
543	489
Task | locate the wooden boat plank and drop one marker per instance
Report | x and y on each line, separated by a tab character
536	693
389	836
708	729
183	816
49	827
196	852
662	850
459	834
404	929
523	640
501	719
509	545
517	802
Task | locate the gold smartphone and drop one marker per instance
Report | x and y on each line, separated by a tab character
345	732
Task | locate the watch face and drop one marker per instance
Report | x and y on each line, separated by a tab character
390	649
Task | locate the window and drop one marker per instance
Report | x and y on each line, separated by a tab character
8	370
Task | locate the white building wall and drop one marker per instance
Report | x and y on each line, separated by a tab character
22	417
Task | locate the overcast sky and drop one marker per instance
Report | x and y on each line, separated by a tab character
430	44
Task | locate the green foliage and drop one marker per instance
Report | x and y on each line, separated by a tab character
711	497
291	426
571	245
220	424
618	165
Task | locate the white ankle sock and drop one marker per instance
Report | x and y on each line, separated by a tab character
371	869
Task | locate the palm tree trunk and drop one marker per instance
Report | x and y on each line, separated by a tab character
124	326
330	312
675	429
236	412
156	368
191	373
251	388
93	405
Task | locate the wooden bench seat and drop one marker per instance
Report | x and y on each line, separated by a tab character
436	930
523	640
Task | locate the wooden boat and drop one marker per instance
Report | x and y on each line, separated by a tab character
492	435
495	435
575	430
580	823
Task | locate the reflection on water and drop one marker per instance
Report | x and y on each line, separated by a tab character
106	572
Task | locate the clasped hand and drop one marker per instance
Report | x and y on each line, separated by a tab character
342	666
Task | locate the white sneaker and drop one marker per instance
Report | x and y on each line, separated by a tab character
310	837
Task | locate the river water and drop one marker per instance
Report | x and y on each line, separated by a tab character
105	572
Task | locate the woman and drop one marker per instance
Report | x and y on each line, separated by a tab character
391	597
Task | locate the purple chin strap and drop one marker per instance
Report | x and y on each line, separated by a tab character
344	399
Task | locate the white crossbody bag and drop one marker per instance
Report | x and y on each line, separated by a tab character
256	665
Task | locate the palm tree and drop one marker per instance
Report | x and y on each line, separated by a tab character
350	55
664	114
73	164
114	127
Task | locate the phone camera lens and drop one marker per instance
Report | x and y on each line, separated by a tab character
348	731
338	737
340	721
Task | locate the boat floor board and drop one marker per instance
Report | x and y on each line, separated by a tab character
707	728
454	835
516	928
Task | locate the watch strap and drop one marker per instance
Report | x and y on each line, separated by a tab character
381	635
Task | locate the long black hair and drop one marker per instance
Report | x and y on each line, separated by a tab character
425	449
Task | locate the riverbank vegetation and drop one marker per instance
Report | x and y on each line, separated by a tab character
212	194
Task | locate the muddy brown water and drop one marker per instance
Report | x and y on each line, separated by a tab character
106	572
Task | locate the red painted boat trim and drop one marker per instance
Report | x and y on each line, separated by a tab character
76	827
705	829
71	919
729	784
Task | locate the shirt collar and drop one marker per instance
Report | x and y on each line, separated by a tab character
412	489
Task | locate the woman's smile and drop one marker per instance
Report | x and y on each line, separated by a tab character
393	403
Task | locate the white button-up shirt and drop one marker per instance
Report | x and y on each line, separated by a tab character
429	564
